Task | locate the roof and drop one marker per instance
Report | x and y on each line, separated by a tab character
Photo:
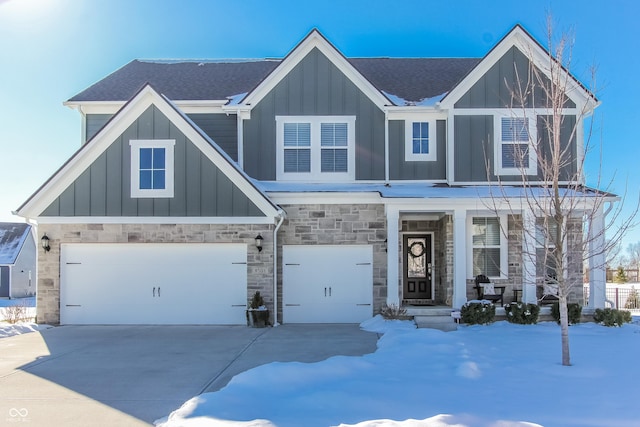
12	238
411	79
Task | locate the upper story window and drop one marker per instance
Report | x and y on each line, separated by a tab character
420	141
152	167
315	148
515	153
488	246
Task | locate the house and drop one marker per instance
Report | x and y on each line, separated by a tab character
332	185
17	260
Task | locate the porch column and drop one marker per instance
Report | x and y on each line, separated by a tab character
459	258
529	294
597	262
393	290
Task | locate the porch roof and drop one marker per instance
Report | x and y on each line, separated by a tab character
427	190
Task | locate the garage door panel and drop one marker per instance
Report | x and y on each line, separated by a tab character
327	283
153	283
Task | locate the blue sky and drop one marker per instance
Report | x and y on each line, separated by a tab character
52	49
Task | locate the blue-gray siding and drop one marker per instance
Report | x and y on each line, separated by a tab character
314	87
497	87
5	281
200	188
474	148
399	169
95	122
222	129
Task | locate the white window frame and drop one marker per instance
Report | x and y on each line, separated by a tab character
409	155
504	244
316	174
498	143
138	144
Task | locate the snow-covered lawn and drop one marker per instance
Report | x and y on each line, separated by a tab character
6	329
499	375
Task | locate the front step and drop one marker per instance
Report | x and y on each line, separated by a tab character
441	322
433	317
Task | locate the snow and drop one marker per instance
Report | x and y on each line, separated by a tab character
235	99
501	375
426	102
7	330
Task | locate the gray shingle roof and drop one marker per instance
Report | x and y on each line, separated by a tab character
412	79
12	238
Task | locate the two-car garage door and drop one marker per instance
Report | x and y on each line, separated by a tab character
153	283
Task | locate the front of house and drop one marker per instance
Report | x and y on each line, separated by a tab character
370	181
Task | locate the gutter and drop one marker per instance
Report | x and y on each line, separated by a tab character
281	216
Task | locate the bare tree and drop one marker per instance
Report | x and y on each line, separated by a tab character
562	218
634	254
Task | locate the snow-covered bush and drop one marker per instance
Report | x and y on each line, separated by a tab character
478	312
15	313
574	311
521	313
611	317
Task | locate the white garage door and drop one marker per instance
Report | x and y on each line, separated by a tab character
327	284
153	283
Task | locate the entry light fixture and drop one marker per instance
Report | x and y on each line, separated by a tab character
45	243
259	240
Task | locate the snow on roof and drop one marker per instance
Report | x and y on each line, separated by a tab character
410	190
425	102
12	237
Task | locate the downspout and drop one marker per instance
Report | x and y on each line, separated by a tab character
386	146
281	216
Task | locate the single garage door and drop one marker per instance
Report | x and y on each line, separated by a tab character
327	284
153	283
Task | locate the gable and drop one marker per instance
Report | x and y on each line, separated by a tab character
104	188
96	181
12	239
315	86
497	87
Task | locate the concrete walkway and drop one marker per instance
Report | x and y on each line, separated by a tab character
133	375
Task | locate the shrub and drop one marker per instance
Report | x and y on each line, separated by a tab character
574	312
522	314
611	317
633	300
394	312
15	313
478	312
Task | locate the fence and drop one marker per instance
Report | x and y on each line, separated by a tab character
621	297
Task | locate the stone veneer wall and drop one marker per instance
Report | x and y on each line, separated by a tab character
362	224
259	264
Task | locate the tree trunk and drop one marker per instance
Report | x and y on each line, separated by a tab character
564	328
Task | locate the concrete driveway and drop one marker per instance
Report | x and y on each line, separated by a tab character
133	375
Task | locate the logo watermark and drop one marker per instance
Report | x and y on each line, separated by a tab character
18	415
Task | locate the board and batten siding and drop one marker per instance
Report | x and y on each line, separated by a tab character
221	128
200	188
314	87
400	169
497	87
474	148
93	123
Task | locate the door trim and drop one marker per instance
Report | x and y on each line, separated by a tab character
403	254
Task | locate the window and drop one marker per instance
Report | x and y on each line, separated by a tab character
152	168
420	141
514	150
546	248
488	254
315	148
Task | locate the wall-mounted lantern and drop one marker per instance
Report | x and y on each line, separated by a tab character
45	243
259	240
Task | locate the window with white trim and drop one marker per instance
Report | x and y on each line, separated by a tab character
152	168
420	141
545	247
488	247
514	148
315	148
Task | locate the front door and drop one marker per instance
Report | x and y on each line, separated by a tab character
417	267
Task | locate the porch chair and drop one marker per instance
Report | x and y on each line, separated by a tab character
488	291
548	291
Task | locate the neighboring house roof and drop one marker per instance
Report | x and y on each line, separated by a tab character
12	238
411	79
